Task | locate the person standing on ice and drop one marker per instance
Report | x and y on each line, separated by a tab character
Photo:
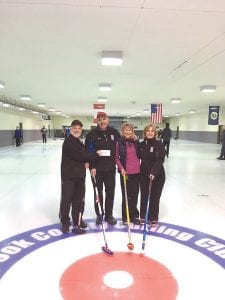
152	154
73	174
222	139
103	169
166	135
128	163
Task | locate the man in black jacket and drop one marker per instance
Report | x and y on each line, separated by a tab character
166	135
103	137
73	174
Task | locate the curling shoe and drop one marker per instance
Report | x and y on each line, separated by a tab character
136	221
98	220
142	221
83	224
65	228
111	220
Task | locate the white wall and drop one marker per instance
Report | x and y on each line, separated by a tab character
195	122
10	118
58	122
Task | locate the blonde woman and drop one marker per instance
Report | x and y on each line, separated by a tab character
152	154
128	163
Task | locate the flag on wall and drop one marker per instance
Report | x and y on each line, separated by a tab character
156	113
213	118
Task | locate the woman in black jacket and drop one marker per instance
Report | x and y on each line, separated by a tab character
152	154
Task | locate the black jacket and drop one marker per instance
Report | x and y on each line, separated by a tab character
166	134
152	154
98	139
73	158
122	149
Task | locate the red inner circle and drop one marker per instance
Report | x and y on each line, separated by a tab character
84	279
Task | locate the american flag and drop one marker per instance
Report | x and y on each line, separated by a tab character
156	113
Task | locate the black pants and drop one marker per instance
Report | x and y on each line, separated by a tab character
167	147
44	138
18	141
222	151
73	193
132	184
108	180
156	191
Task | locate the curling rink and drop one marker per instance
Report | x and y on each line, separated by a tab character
184	257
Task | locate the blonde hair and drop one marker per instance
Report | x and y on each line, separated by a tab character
130	126
147	127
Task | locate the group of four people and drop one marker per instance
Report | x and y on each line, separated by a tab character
139	164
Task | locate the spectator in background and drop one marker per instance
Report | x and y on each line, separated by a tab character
18	136
166	135
44	134
222	140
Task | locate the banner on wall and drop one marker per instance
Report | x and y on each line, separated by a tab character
213	118
97	107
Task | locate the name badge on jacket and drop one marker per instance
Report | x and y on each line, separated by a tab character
151	149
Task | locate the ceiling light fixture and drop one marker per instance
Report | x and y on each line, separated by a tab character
52	109
175	100
177	114
192	111
208	88
2	84
6	105
105	87
25	97
41	104
102	99
112	58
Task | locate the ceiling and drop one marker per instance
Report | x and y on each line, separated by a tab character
52	49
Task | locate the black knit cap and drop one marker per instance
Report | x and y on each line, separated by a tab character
76	122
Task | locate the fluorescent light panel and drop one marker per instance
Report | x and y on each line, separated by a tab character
6	105
2	84
102	99
25	97
41	104
208	88
112	58
175	100
105	87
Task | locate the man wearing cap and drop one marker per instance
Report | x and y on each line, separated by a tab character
103	138
73	174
